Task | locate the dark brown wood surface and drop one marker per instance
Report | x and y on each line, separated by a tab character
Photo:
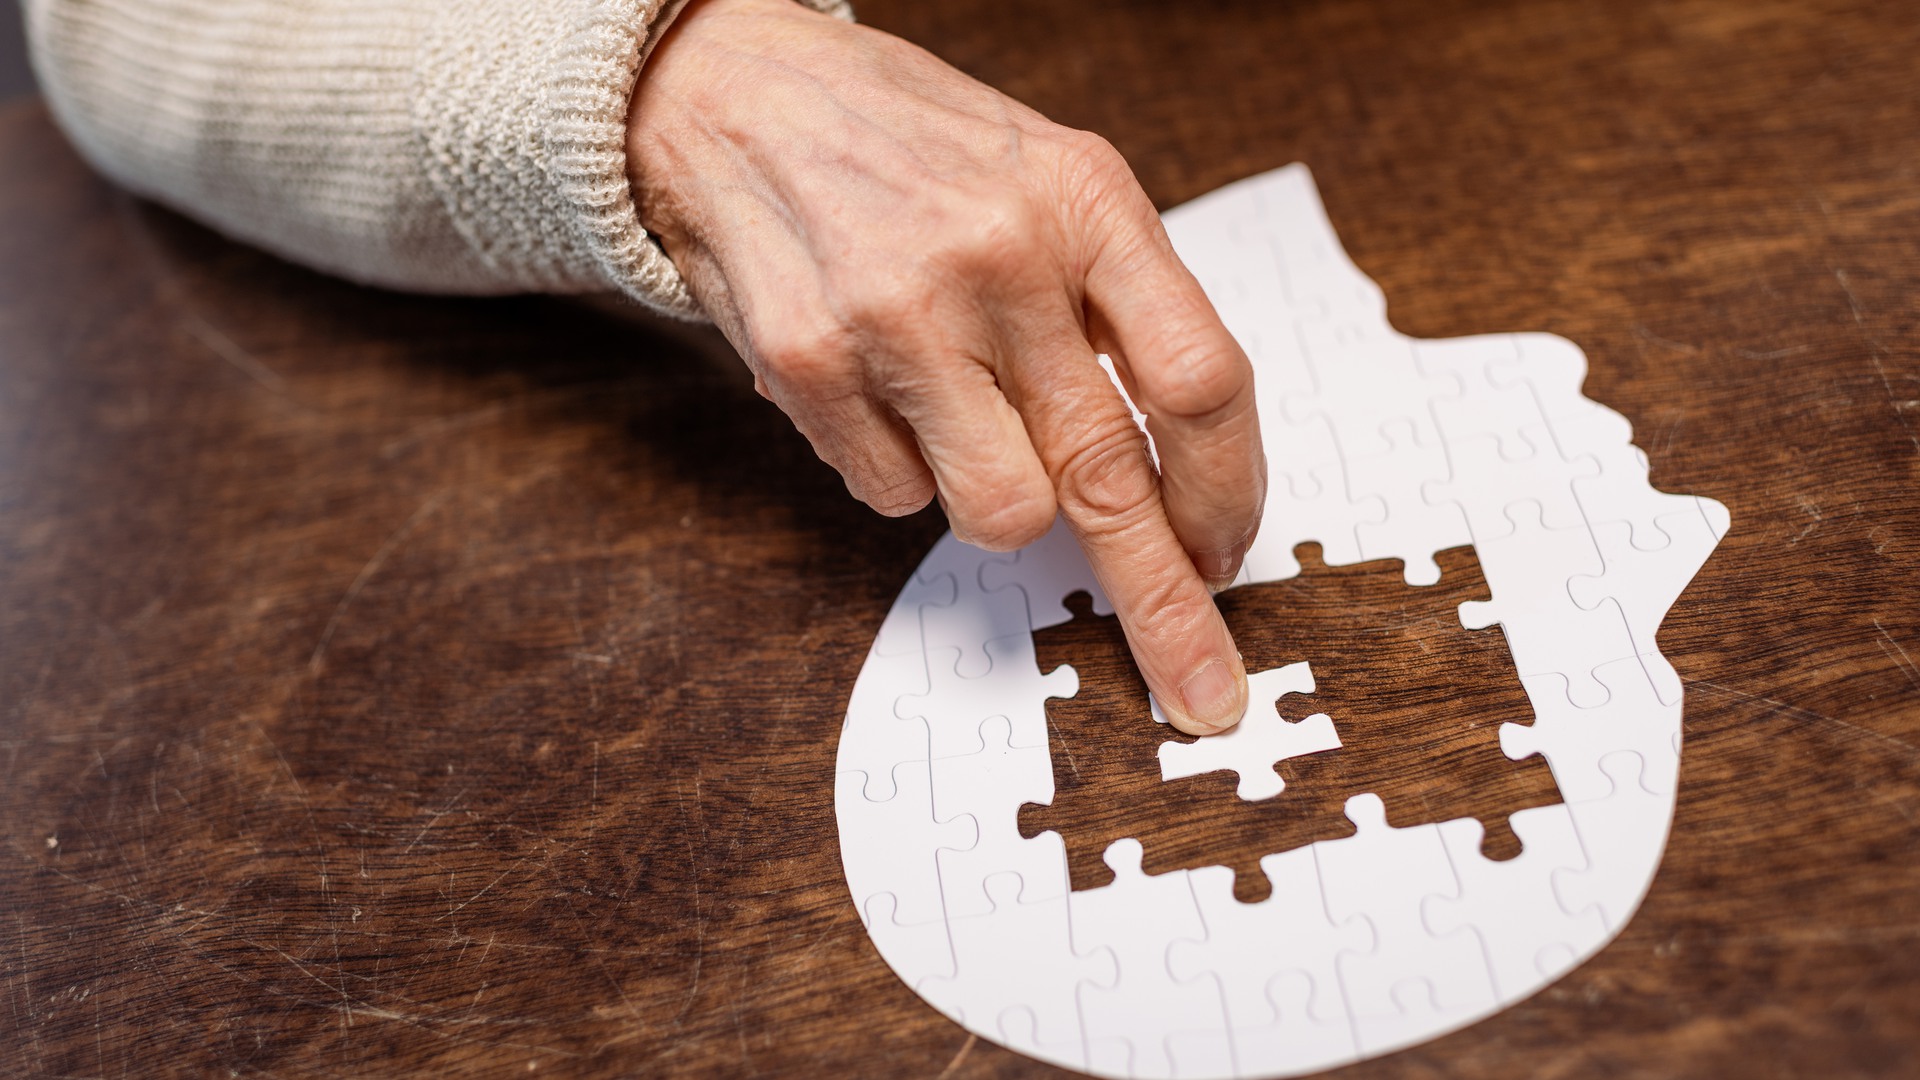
392	684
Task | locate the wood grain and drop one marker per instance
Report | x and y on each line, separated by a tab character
394	684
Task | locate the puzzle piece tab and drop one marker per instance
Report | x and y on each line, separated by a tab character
1574	739
1413	530
874	738
955	707
1045	572
1623	834
1528	573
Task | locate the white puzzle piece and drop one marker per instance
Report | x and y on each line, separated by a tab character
1146	1006
1379	446
1384	874
1264	738
1021	971
1614	830
1528	934
971	786
1275	964
1044	572
903	857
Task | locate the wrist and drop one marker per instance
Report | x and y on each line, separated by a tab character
700	66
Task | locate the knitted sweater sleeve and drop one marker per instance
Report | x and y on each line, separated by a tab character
461	146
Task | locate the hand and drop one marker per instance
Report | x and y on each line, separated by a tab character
920	272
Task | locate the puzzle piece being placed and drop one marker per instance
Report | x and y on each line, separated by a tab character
1262	739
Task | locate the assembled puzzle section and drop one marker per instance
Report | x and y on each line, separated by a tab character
1388	927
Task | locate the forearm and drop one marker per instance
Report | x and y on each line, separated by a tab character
473	146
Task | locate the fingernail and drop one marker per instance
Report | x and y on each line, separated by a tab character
1212	695
1219	568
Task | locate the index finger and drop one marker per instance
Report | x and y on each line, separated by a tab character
1110	495
1194	383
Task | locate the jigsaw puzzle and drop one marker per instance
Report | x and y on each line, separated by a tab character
1365	939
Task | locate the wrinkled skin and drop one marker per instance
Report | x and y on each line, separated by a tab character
920	272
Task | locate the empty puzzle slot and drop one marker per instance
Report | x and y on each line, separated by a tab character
1416	699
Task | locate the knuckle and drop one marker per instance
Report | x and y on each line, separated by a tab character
1169	607
1194	374
995	234
1011	521
1092	156
807	359
883	306
1097	175
1108	476
898	495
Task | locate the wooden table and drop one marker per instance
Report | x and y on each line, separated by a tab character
397	684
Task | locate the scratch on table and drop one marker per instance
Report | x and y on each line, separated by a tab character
1799	713
372	567
697	905
1774	354
497	409
455	910
1900	406
26	982
1904	661
573	912
1641	331
432	1024
959	1057
1811	509
434	818
320	847
593	797
227	349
